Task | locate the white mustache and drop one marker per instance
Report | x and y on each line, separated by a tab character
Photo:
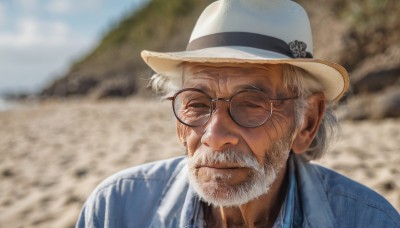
229	156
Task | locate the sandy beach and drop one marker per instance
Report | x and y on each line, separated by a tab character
53	154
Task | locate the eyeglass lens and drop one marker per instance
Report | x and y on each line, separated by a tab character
247	108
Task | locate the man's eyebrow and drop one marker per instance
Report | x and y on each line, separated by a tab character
203	88
256	87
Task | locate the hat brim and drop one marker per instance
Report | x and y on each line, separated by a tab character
333	77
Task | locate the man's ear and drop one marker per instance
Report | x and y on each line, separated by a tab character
311	120
180	129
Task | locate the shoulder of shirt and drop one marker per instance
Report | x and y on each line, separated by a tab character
337	185
162	170
132	194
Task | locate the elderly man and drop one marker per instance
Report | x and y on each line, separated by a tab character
253	107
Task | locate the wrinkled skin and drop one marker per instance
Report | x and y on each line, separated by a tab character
220	134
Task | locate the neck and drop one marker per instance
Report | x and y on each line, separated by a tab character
260	212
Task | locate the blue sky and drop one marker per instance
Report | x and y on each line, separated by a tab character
39	39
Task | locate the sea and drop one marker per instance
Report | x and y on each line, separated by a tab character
6	105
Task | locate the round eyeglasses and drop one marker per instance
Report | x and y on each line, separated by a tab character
247	108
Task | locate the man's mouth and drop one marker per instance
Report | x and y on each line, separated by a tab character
221	166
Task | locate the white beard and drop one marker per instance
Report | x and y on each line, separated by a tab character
258	183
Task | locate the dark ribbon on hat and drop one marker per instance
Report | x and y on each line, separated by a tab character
295	49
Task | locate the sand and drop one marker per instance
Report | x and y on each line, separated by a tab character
52	154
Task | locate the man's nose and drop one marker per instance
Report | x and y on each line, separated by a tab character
219	132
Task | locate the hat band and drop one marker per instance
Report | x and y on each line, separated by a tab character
246	39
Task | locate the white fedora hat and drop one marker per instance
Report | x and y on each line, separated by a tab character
253	31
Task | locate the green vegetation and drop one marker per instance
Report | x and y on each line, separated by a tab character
148	27
115	64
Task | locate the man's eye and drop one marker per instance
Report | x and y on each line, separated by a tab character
246	104
197	105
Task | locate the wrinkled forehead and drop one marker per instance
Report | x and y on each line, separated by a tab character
233	77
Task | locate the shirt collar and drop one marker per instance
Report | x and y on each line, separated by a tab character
291	214
312	196
192	214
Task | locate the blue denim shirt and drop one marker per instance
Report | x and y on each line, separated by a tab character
158	195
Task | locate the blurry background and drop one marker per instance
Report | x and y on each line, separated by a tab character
40	39
74	107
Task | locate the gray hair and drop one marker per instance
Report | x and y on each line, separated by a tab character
295	79
303	84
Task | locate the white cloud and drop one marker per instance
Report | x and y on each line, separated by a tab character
27	5
30	31
36	51
33	33
3	14
60	6
90	4
35	48
68	6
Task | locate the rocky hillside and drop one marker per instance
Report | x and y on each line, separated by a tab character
114	68
362	35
